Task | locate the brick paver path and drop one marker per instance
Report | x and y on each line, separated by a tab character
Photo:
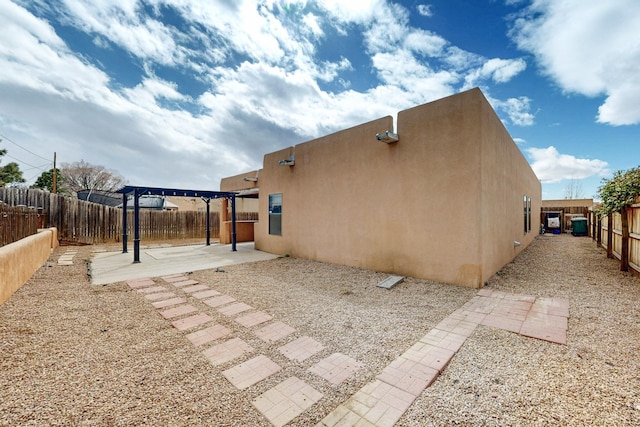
382	401
252	371
209	334
253	319
286	401
274	331
301	349
336	368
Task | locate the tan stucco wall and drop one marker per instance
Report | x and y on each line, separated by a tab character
238	182
444	203
19	260
244	232
506	178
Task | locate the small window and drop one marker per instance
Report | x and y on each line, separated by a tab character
275	214
526	203
529	207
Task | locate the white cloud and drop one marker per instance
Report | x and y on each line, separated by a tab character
590	47
424	43
503	70
517	109
495	69
425	10
155	132
311	21
124	24
357	12
34	56
550	166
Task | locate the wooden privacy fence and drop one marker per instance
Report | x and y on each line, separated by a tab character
17	222
82	222
608	233
169	225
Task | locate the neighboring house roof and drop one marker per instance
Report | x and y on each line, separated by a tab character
567	203
151	202
102	197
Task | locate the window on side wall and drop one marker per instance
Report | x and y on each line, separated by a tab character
529	207
526	204
275	214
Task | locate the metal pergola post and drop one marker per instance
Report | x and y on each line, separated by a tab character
136	226
124	223
207	225
233	222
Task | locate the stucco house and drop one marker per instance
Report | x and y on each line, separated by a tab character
447	197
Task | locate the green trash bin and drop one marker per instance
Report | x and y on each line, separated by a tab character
579	226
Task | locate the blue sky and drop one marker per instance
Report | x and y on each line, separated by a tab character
180	93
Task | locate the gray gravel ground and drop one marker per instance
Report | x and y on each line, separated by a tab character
72	353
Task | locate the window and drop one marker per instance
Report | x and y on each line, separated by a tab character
275	214
529	207
526	203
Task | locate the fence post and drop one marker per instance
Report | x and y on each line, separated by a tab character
624	250
610	235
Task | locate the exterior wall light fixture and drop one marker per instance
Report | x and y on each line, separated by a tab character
251	178
387	137
289	162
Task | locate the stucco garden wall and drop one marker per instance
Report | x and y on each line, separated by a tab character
19	260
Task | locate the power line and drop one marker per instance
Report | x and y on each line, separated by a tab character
40	168
4	137
28	164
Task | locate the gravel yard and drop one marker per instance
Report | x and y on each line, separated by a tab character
72	353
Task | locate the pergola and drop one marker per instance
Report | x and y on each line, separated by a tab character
207	196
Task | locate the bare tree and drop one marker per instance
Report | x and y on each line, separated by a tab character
573	190
81	175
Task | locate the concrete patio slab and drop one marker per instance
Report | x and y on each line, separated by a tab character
111	267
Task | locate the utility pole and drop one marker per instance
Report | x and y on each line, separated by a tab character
54	187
